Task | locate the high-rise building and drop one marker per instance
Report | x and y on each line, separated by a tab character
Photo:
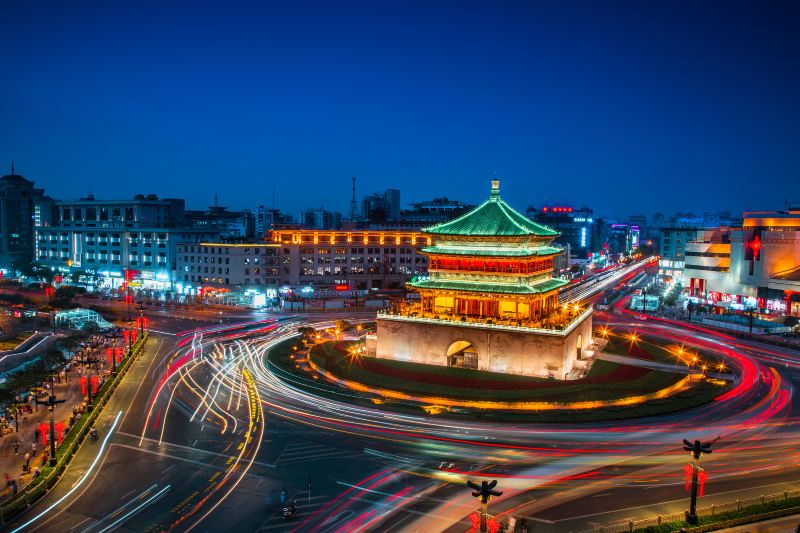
381	206
267	219
229	224
321	218
579	230
24	209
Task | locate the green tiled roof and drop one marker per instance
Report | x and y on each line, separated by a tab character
493	218
492	252
504	288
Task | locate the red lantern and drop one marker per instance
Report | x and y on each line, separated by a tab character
83	385
493	525
49	291
133	334
687	475
95	382
109	354
475	519
43	428
118	352
60	431
701	482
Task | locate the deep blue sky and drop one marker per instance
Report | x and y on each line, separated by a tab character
626	107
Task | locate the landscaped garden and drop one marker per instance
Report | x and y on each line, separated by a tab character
327	365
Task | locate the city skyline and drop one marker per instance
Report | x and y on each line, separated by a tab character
578	107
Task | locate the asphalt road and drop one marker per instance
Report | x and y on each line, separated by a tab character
211	438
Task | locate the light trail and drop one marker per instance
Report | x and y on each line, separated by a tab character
80	482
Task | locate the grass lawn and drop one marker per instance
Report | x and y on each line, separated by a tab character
646	347
12	341
605	381
699	394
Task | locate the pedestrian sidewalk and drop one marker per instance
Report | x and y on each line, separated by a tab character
17	447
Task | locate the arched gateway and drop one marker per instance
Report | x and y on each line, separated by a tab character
462	354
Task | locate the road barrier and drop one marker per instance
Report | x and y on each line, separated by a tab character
713	510
65	452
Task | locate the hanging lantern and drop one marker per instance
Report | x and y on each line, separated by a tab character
475	519
60	431
95	382
493	525
687	475
701	481
83	385
43	428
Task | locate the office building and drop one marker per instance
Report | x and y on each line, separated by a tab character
99	240
24	210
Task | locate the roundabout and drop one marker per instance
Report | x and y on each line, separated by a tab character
228	432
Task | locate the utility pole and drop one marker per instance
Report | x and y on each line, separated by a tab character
484	491
698	449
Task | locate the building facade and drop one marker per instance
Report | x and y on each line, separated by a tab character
756	266
490	301
355	260
247	273
24	210
99	240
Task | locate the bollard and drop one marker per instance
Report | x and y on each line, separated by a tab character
660	519
713	510
630	525
763	499
738	505
786	495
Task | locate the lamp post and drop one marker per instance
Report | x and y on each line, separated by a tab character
484	491
51	404
141	320
114	337
698	449
644	301
89	361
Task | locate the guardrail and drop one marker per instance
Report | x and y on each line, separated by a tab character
65	452
713	510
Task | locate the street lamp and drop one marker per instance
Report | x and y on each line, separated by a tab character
484	491
89	361
51	404
114	337
698	449
141	319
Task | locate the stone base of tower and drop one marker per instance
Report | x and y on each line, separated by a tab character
526	351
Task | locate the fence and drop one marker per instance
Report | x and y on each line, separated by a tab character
738	505
68	448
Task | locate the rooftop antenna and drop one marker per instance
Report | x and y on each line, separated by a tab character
216	199
353	203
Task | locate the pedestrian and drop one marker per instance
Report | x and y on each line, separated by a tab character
16	448
27	457
35	436
33	448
